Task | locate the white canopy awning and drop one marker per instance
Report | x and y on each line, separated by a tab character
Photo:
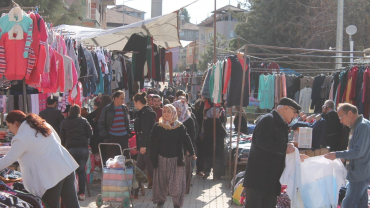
185	43
77	30
164	30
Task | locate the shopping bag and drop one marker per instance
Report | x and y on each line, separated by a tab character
237	192
132	144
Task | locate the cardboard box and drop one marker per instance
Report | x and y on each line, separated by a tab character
305	137
317	152
325	150
310	153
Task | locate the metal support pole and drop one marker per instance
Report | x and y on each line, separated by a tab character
123	12
339	44
214	104
351	43
229	21
192	70
24	96
231	132
240	116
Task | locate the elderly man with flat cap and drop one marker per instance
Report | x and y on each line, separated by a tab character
266	161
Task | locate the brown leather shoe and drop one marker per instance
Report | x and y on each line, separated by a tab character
201	174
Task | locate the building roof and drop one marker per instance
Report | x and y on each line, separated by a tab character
127	9
209	20
114	16
189	26
221	12
229	7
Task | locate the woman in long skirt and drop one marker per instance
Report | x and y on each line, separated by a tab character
167	142
184	116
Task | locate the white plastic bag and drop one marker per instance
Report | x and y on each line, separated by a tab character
117	162
314	183
321	180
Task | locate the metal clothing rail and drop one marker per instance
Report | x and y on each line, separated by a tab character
305	49
299	62
299	55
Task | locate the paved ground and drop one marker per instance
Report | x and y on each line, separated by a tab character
204	193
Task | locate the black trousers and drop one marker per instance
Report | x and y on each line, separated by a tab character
200	155
66	190
259	199
113	150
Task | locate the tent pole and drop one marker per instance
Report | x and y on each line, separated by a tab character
231	132
24	96
192	72
214	104
240	116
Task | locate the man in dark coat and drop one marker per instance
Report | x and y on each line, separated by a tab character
266	161
333	126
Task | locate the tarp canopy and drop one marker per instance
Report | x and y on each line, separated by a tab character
185	43
164	30
77	30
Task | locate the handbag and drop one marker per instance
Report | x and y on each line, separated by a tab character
139	174
132	144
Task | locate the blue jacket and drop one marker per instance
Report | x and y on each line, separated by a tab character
359	151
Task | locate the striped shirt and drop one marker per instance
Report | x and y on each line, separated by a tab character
118	127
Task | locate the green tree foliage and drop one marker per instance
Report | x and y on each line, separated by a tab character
207	56
301	24
58	11
186	15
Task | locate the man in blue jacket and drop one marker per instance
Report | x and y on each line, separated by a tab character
358	154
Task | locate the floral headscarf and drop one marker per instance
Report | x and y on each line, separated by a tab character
183	108
174	119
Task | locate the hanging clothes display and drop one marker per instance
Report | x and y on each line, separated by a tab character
236	80
266	91
138	44
305	99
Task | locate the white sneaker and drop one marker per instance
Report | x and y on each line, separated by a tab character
81	197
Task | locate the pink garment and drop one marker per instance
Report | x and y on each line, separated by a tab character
227	76
42	101
61	44
43	33
52	76
63	104
45	77
75	76
283	80
277	89
60	71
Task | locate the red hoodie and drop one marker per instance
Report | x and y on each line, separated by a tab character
12	63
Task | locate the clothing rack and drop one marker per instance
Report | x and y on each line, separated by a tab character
319	70
306	50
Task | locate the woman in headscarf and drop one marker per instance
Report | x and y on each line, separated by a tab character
167	142
184	117
219	169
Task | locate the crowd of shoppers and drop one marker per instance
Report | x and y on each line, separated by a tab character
171	140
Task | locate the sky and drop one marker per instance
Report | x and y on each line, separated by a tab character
198	11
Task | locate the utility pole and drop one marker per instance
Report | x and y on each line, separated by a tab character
192	70
229	35
214	104
123	12
339	45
